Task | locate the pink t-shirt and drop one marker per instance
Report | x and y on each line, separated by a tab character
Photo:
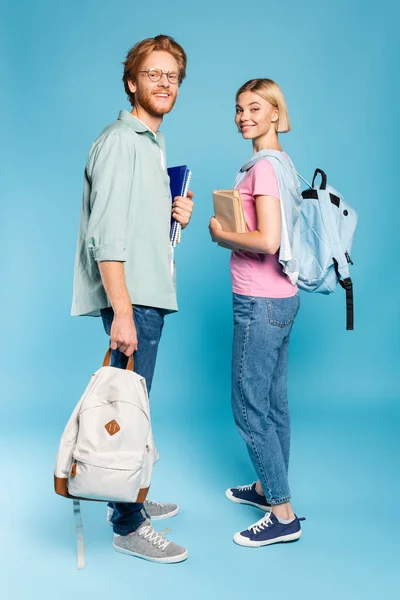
259	274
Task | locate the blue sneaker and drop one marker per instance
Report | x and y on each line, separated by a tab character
246	494
269	530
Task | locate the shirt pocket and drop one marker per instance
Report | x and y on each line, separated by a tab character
282	311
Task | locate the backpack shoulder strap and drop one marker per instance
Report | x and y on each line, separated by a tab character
261	155
338	256
347	285
79	533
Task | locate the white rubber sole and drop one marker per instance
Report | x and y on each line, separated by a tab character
160	518
243	541
167	560
232	498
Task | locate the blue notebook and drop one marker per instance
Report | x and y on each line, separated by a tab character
179	181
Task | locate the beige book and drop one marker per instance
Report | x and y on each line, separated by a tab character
228	210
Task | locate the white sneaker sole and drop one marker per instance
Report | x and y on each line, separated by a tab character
166	560
157	518
243	541
232	498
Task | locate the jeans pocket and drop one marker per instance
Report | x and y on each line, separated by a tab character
107	321
242	309
282	311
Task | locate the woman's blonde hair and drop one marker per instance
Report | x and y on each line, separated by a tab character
270	91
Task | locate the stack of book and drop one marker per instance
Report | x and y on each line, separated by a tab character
228	210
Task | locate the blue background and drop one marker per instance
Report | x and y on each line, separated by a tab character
61	73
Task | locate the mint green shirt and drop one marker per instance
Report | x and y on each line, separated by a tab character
125	216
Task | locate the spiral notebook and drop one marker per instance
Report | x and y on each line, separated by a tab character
179	181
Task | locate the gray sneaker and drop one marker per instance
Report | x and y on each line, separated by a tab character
150	545
154	510
160	510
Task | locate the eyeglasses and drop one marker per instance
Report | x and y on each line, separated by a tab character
156	75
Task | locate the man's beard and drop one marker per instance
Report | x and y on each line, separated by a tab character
146	101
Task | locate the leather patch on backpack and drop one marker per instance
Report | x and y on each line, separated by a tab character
112	427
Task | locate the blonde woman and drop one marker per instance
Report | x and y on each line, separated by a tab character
265	304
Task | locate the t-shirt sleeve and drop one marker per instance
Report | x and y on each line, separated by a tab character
265	182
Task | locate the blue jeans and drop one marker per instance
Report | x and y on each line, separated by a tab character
262	329
149	324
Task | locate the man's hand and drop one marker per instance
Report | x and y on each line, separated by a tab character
215	228
182	209
123	334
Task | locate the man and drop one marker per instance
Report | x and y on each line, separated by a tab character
124	267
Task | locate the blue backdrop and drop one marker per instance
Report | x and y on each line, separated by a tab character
61	73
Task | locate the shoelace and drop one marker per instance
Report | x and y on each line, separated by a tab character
261	524
266	522
245	487
154	537
151	503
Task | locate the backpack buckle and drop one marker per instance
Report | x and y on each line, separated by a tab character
347	283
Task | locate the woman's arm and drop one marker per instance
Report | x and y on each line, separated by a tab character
266	239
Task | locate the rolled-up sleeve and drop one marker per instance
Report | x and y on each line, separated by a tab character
111	174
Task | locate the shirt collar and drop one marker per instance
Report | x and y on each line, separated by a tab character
136	124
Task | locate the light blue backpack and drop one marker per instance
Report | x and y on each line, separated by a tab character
327	226
321	236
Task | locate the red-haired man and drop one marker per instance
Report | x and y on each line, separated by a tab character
124	265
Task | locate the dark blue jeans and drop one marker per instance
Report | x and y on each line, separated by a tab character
149	325
262	328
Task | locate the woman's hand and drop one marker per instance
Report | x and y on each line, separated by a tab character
263	240
215	228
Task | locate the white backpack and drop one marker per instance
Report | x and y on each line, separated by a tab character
107	451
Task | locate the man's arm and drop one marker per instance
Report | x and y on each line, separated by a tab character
123	331
111	173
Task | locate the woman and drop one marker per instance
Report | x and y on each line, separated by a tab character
265	304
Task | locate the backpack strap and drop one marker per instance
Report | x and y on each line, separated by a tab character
107	360
323	179
338	256
305	180
347	285
79	533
